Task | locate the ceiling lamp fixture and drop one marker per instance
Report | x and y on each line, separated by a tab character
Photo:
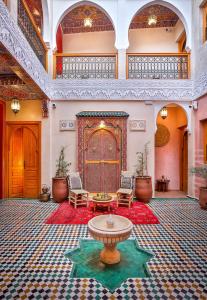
164	113
88	22
152	20
15	106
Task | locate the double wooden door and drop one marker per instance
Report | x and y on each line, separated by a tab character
102	162
23	160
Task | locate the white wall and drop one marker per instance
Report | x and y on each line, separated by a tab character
145	40
66	110
149	40
89	42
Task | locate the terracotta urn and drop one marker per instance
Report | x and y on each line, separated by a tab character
143	188
203	197
59	189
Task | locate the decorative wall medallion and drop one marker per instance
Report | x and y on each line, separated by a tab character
162	136
137	125
67	125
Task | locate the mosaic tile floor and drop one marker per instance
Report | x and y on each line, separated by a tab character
33	265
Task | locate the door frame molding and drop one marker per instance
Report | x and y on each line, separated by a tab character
90	121
21	124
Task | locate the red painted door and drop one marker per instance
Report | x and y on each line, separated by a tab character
102	162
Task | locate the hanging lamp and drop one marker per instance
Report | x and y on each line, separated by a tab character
15	105
164	113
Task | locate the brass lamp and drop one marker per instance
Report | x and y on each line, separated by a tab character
15	106
152	20
164	113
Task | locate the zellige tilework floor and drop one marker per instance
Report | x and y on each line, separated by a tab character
33	265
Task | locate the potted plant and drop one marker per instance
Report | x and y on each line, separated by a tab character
201	171
59	182
143	182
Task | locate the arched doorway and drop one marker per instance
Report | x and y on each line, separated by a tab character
157	40
85	41
171	149
23	159
102	149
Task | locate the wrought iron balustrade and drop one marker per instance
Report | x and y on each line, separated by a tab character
89	66
29	29
158	66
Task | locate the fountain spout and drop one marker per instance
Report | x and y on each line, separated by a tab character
110	221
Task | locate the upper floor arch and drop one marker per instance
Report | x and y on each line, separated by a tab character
182	10
62	11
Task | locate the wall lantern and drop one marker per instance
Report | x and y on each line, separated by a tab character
163	113
152	20
87	22
15	105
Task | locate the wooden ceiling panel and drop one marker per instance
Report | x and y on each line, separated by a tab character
14	81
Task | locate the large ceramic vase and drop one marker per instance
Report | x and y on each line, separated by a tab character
143	188
203	197
59	189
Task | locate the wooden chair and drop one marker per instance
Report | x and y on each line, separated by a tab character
77	195
125	192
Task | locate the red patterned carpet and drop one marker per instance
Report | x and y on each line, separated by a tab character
139	213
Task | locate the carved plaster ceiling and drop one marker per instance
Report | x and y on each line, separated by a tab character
165	17
14	81
73	21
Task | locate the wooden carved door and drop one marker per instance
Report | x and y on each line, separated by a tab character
102	162
24	160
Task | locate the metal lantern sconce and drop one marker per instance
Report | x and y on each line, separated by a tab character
15	106
164	113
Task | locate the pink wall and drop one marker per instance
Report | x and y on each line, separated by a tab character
167	158
200	115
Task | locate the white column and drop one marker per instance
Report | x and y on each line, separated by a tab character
121	63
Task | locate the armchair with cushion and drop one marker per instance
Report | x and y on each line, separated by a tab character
125	192
77	195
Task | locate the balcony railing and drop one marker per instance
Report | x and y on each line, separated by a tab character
158	66
31	32
85	66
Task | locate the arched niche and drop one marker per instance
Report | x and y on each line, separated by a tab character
171	148
173	6
186	107
60	16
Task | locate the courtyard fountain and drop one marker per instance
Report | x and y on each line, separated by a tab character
110	231
110	257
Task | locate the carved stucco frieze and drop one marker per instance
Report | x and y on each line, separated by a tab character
122	90
200	86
